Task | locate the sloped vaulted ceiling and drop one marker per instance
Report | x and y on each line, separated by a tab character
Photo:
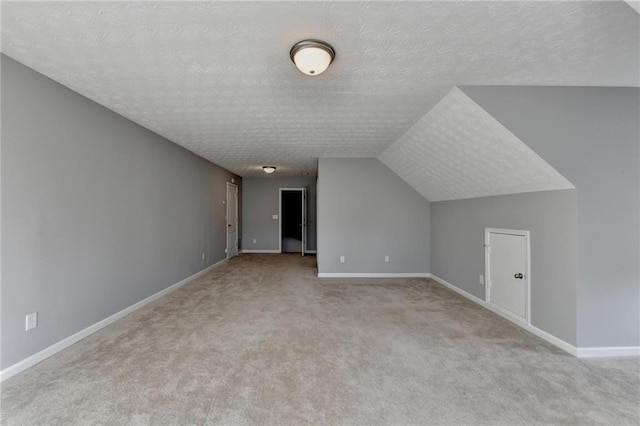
458	150
215	77
634	4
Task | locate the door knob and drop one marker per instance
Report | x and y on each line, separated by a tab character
518	276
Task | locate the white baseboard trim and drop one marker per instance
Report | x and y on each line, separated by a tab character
29	362
567	347
595	352
372	275
274	251
458	290
556	341
612	351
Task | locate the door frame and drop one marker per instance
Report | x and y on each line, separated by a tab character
229	184
487	271
304	219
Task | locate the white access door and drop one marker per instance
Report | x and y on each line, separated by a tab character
304	220
232	220
507	270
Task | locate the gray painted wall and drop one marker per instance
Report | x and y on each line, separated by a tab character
365	211
591	136
98	213
260	202
457	252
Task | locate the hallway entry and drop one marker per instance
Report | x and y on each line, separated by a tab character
292	220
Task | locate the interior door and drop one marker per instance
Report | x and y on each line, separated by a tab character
232	220
507	272
304	220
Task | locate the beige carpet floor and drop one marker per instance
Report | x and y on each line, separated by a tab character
261	340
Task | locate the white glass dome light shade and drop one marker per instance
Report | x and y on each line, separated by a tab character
312	60
312	57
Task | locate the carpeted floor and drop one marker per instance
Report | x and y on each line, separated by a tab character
261	340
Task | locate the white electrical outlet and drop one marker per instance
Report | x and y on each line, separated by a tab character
341	259
202	255
254	241
274	216
386	258
32	321
481	279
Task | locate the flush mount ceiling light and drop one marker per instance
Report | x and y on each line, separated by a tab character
312	57
269	169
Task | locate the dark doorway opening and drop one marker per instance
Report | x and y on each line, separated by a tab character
291	221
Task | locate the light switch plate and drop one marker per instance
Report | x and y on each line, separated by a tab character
274	216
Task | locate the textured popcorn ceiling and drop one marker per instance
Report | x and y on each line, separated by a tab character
216	77
458	150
